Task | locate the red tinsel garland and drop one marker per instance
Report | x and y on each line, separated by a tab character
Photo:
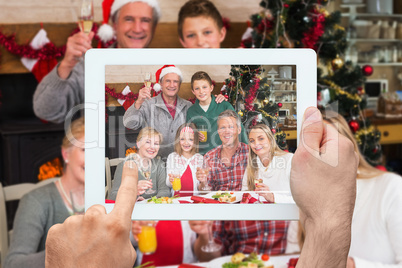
120	96
47	52
251	95
311	37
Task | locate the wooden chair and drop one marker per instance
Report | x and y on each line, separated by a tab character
109	163
12	193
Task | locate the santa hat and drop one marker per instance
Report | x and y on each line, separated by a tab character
166	69
110	7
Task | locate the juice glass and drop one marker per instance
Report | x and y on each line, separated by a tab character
176	185
203	130
147	239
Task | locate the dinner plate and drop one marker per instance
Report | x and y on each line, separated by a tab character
277	261
175	201
238	195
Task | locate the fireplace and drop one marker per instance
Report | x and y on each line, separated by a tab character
25	141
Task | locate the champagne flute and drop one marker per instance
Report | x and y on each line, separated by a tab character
211	246
86	17
147	79
146	171
205	167
256	182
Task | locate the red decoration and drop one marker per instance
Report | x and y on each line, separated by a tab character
360	90
286	5
311	37
47	52
354	125
380	167
251	95
367	70
226	23
265	26
273	131
280	105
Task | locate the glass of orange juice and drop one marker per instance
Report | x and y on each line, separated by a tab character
204	131
176	185
147	238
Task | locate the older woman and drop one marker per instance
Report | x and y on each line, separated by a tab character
268	163
41	208
377	218
148	142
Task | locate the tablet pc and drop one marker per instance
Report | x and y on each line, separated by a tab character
303	61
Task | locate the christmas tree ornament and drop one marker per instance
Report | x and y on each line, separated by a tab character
265	102
273	131
337	63
354	125
241	113
280	105
360	90
367	70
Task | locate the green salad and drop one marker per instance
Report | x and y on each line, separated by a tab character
220	194
253	258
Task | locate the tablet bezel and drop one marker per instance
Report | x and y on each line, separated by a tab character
95	62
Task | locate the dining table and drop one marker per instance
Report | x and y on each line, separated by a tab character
279	261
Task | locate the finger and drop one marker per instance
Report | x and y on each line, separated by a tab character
96	210
312	131
127	194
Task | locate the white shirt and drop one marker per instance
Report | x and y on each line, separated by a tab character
177	164
276	176
376	224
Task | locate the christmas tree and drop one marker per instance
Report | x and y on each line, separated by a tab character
305	24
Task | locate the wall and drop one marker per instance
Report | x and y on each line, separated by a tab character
28	11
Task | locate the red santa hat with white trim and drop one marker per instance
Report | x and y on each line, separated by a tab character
166	69
110	7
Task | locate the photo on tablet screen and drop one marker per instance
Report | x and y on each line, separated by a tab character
205	159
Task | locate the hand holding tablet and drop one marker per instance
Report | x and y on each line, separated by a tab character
97	239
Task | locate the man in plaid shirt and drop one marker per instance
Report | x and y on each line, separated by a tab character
227	164
228	161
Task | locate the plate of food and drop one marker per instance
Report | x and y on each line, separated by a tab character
252	260
225	196
160	200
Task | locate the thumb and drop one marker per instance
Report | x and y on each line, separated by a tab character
311	134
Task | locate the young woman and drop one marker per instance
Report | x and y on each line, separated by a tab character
148	142
50	204
268	167
377	218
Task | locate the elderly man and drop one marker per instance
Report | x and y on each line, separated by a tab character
134	23
165	112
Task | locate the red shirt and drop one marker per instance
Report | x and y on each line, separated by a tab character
227	178
171	108
263	237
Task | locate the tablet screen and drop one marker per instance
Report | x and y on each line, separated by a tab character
291	77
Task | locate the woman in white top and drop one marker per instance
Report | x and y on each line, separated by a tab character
268	163
377	218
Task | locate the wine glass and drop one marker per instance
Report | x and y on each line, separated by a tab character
86	17
211	246
147	79
256	181
145	167
205	167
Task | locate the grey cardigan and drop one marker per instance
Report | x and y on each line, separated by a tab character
55	97
37	211
154	113
158	176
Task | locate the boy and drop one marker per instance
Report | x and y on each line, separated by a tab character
204	112
200	25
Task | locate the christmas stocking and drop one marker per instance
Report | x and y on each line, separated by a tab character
40	68
126	103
